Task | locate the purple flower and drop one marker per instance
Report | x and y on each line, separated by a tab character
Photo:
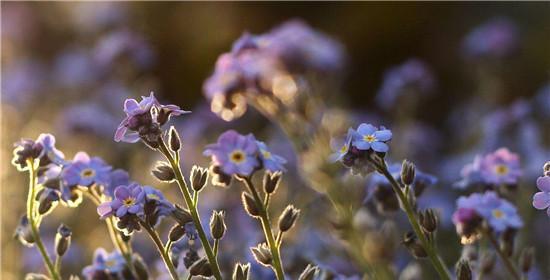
342	148
159	206
85	171
123	43
466	218
368	137
270	162
48	149
496	38
43	148
498	168
499	213
87	118
128	200
105	265
144	120
541	200
118	177
411	77
234	153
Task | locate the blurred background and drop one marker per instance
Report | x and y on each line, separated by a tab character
67	68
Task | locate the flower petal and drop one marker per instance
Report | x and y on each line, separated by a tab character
362	145
122	192
130	106
543	183
541	200
383	135
104	209
380	147
366	129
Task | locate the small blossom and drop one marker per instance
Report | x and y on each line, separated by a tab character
105	265
127	200
501	167
270	162
541	200
368	137
341	149
234	153
85	171
118	177
43	148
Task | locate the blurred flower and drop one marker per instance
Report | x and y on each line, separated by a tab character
466	218
411	77
495	169
75	68
270	162
541	200
341	149
123	43
85	171
156	203
105	265
96	16
87	118
542	101
368	137
496	38
234	153
118	177
22	80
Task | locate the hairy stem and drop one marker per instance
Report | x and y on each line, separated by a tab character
32	222
509	265
160	247
266	226
192	209
413	219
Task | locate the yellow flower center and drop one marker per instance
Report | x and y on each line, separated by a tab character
237	156
110	263
498	214
344	149
129	201
87	173
266	154
153	196
369	138
501	169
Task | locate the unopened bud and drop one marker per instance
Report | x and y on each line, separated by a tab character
219	178
199	177
241	272
309	272
47	199
271	181
182	216
262	254
407	172
23	232
201	267
176	233
140	267
415	248
36	276
487	263
288	218
428	220
463	270
526	259
174	139
164	172
217	224
507	241
546	167
62	240
250	205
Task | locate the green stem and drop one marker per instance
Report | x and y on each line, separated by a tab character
192	209
216	246
160	247
511	268
266	225
34	228
430	250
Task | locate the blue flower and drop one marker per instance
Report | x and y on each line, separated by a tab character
234	153
270	162
501	167
541	200
128	200
368	137
48	149
341	149
85	171
499	213
162	207
118	177
496	38
105	265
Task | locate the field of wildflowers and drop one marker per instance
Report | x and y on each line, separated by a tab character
275	141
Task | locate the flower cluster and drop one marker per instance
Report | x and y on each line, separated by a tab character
269	64
541	200
144	120
105	266
500	168
360	145
236	154
499	214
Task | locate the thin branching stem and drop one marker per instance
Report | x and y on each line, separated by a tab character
160	247
505	259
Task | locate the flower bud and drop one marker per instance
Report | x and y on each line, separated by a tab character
191	257
250	205
23	232
201	267
36	276
47	199
526	259
174	140
62	240
271	181
176	233
507	241
164	172
463	271
428	220
407	172
217	224
262	254
199	177
288	218
219	178
309	272
241	272
140	267
546	167
487	262
182	216
415	248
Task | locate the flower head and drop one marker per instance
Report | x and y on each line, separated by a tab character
501	167
496	38
43	148
270	161
128	200
85	171
369	137
541	200
105	265
234	153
